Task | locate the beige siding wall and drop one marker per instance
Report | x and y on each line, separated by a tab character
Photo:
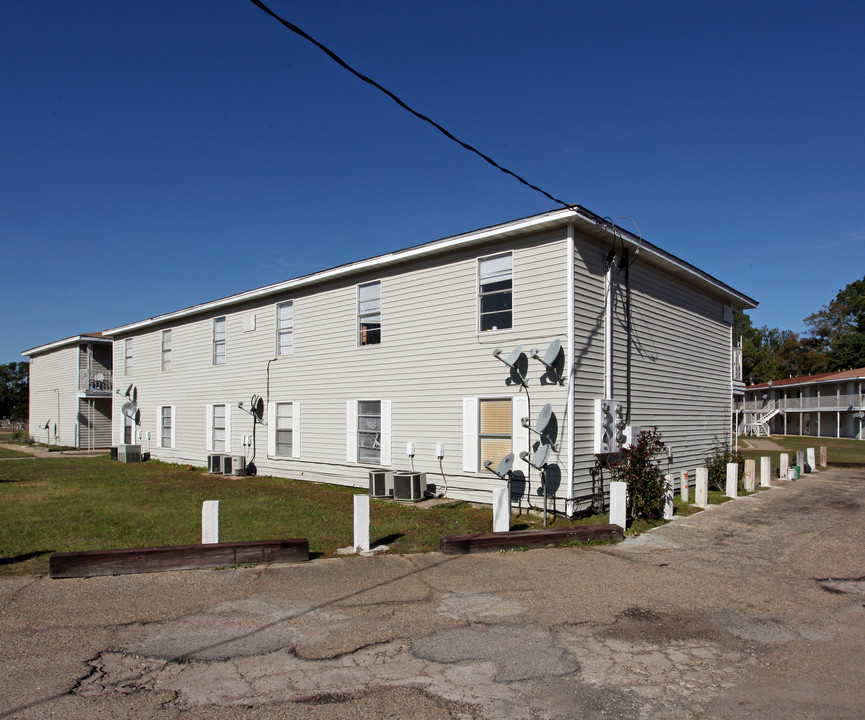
53	389
430	359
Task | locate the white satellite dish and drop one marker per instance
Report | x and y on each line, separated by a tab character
128	410
552	353
505	465
544	417
538	458
514	356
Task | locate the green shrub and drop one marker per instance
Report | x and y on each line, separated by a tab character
22	436
716	462
642	474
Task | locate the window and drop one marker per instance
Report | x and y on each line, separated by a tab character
127	355
284	429
494	430
165	439
369	314
166	350
218	429
495	292
369	431
219	341
285	328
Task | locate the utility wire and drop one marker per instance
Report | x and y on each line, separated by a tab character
337	59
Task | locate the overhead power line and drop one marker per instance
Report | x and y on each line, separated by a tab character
337	59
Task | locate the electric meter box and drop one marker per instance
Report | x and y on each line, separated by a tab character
609	426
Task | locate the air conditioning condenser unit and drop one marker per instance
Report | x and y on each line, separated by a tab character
381	483
409	486
129	453
238	465
214	464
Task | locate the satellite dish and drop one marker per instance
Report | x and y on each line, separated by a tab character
552	353
514	356
257	405
506	465
539	459
46	425
128	390
544	418
134	394
129	410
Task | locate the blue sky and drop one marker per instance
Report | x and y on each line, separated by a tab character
157	155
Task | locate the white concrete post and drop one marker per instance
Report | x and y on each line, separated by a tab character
765	471
750	475
701	489
361	523
501	510
669	496
823	458
209	522
785	466
619	504
800	461
812	458
683	488
732	480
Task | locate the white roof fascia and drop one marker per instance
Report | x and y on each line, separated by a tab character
533	223
76	340
825	381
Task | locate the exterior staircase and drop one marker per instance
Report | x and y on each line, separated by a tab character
757	423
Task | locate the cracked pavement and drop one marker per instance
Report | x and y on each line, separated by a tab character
751	609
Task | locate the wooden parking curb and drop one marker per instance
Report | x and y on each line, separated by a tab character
492	541
92	563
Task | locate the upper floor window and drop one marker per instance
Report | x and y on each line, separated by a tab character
166	350
495	292
219	341
285	328
127	357
369	314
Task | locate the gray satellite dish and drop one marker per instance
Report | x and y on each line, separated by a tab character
544	418
129	410
552	353
539	459
506	465
128	390
514	356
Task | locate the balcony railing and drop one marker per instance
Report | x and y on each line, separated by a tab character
98	381
835	402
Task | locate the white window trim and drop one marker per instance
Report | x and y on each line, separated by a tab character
295	431
471	431
224	341
357	321
478	295
173	439
276	310
385	440
208	428
128	354
162	349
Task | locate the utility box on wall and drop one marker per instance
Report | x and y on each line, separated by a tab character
609	426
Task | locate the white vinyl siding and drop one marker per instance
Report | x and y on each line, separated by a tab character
219	341
495	292
166	350
369	314
166	433
285	328
218	428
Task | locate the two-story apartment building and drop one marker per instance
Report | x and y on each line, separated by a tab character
71	392
825	405
355	363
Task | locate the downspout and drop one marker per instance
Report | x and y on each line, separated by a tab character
570	265
608	329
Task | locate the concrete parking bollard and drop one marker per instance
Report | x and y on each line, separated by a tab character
361	523
209	522
669	497
812	458
619	504
732	480
823	456
501	510
765	471
701	489
750	475
784	468
683	487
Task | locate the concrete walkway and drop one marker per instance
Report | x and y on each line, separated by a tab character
44	452
751	609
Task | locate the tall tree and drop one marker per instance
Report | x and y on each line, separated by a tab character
14	390
838	329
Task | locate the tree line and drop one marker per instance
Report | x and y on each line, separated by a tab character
14	391
834	340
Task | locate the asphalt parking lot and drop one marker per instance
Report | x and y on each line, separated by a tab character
751	609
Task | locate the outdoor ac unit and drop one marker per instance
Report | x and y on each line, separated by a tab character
238	465
214	464
381	483
409	486
227	464
129	453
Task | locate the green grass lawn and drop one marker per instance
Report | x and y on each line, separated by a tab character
4	453
84	503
